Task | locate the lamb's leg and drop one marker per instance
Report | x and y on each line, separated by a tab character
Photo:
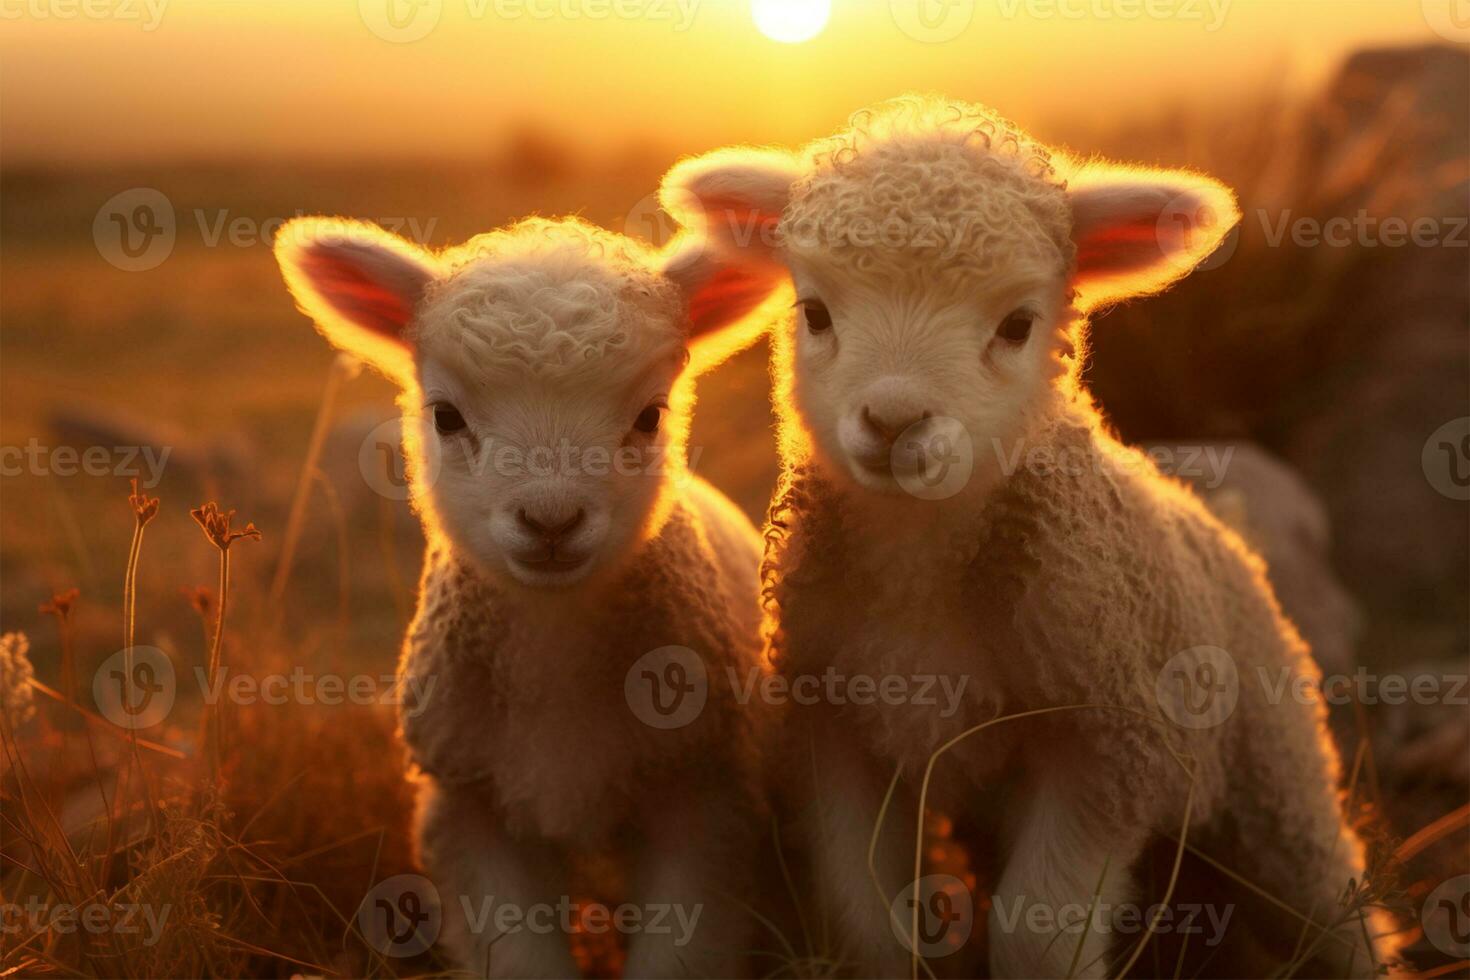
478	871
1053	876
689	880
1300	849
840	790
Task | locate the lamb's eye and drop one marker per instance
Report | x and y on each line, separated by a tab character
648	420
816	316
1016	327
447	419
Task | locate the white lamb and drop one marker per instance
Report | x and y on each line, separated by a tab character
944	263
546	389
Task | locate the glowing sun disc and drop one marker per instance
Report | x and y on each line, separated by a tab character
790	21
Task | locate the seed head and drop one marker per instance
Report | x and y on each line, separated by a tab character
17	702
216	525
60	604
145	508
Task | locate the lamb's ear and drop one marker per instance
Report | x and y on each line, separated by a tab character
733	197
1138	230
721	286
360	284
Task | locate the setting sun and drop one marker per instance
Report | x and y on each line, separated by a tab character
790	21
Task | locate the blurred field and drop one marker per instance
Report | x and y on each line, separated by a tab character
206	353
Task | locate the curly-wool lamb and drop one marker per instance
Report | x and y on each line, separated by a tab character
574	565
953	503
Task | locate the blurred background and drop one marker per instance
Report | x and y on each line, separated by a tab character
149	148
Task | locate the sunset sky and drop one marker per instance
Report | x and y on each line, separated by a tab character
169	79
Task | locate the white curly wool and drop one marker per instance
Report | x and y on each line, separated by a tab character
547	383
1064	575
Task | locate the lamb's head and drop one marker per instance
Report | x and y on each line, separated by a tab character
943	261
545	371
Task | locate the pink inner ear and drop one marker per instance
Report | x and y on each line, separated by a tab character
724	298
1129	244
343	282
737	220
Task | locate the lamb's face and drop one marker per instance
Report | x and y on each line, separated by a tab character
941	334
943	261
545	395
891	380
547	367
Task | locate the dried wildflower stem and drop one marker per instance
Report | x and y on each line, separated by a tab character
216	526
342	368
60	605
214	731
145	508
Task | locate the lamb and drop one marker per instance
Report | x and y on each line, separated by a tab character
954	504
573	564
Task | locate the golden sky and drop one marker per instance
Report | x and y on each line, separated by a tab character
100	80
